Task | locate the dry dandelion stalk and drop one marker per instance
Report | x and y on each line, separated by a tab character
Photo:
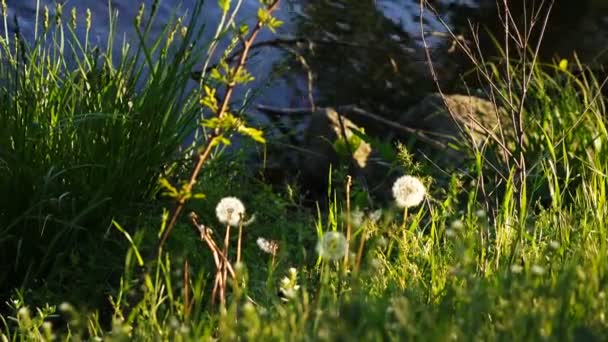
222	264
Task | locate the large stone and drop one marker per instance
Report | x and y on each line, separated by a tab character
456	122
323	136
476	116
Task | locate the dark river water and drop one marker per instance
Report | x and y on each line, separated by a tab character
379	61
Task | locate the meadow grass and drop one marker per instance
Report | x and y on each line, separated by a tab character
476	260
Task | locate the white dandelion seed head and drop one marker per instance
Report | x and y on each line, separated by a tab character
230	211
408	191
267	246
332	246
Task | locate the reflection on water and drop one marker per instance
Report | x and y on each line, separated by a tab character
378	61
364	52
24	12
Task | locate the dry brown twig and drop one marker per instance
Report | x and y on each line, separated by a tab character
222	264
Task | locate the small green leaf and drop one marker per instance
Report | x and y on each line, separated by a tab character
263	16
253	133
224	5
220	140
212	123
273	24
170	190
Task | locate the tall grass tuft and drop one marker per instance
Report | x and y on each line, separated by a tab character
85	131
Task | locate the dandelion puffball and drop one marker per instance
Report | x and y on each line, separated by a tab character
332	246
268	246
230	211
408	191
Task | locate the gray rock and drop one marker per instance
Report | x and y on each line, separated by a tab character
322	138
472	120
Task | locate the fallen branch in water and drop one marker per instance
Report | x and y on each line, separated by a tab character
424	136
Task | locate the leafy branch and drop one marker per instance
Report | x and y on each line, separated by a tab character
224	122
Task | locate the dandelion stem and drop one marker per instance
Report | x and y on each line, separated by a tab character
348	185
238	246
186	289
225	264
404	223
360	251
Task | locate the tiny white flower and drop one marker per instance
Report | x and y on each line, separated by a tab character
66	307
230	211
375	215
375	263
382	242
23	312
538	270
457	225
289	287
554	244
332	246
481	214
356	217
408	191
516	268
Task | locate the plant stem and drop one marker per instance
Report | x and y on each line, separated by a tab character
238	246
225	264
348	185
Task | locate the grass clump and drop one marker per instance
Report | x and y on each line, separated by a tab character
85	132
